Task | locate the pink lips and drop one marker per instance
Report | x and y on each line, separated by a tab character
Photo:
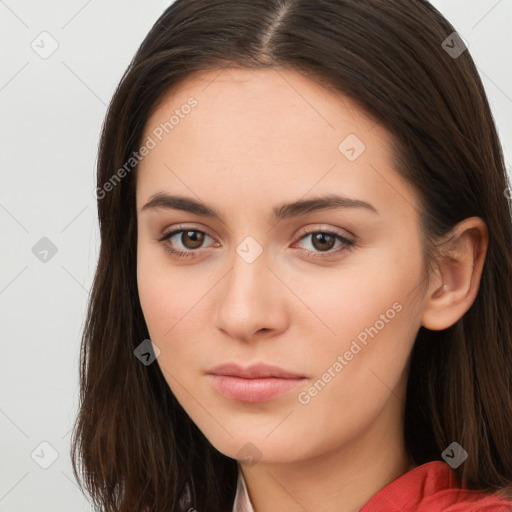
257	383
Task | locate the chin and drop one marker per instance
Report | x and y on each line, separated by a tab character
253	448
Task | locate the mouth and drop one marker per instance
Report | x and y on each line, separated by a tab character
257	383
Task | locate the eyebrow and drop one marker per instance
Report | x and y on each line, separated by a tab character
281	212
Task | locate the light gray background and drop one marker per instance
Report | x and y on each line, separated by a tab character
51	111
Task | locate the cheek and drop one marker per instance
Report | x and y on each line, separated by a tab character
155	297
164	305
371	322
173	302
344	303
361	368
164	295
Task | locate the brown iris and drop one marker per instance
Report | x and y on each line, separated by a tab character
320	239
196	239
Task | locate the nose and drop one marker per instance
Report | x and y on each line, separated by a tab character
252	300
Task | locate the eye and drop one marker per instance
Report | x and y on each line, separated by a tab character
190	238
322	243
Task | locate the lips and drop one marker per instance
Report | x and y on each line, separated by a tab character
256	383
256	371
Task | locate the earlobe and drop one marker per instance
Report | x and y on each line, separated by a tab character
439	311
460	267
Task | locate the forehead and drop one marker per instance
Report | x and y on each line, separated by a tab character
265	130
233	95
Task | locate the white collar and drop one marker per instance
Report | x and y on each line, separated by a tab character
242	501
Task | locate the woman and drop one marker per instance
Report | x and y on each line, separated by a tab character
302	300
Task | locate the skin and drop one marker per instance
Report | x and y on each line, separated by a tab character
257	139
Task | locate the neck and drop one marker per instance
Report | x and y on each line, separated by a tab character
342	480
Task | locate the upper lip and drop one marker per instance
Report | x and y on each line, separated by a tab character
255	371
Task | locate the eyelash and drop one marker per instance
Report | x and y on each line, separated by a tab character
349	244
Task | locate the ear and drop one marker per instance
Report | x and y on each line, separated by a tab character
454	287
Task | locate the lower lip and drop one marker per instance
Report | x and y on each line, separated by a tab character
253	390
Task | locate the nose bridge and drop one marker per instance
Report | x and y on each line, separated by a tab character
245	305
249	271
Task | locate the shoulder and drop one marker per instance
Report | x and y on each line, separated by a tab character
433	487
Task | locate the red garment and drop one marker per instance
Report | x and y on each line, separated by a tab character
433	487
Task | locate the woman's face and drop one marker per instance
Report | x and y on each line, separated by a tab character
262	282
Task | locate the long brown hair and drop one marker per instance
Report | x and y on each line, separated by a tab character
137	448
